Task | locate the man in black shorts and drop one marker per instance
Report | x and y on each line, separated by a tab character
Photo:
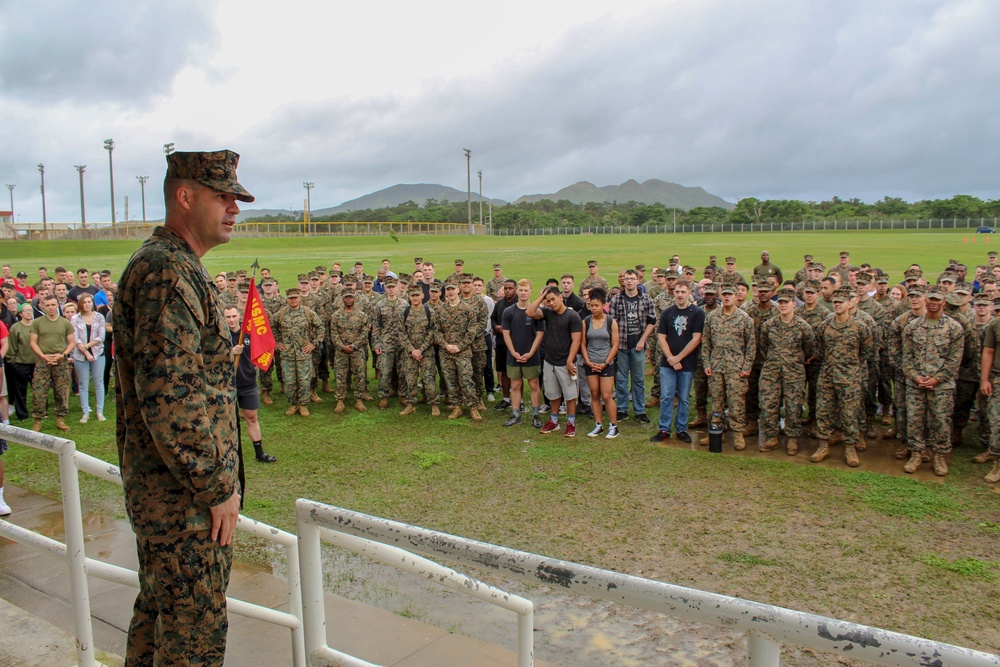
522	337
564	330
509	298
247	396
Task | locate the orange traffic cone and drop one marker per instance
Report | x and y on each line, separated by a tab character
973	239
965	240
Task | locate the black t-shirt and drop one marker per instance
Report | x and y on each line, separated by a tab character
575	302
680	325
635	323
559	330
496	317
76	291
522	334
246	372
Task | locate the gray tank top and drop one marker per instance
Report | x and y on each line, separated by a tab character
598	340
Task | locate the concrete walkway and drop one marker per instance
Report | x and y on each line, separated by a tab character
37	620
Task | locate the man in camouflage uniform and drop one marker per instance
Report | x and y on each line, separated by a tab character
729	348
989	376
802	274
317	300
730	274
297	333
593	278
866	409
417	341
915	299
664	299
760	310
967	393
272	302
785	343
52	340
844	268
885	373
843	345
458	328
228	297
176	418
387	324
495	284
710	304
932	353
814	313
349	329
479	347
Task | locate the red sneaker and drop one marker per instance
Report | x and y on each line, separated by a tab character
550	426
570	431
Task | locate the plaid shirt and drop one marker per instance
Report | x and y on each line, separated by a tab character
647	316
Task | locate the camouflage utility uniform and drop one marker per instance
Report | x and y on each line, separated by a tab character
387	322
419	333
457	326
844	348
348	337
931	348
296	328
729	348
784	348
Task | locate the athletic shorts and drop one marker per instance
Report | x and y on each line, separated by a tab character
607	372
249	401
558	383
523	372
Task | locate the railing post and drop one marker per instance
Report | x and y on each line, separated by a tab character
762	651
311	571
76	555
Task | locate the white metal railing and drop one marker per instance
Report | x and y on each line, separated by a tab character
767	626
312	527
79	565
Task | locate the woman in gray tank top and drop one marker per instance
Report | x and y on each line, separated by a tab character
599	347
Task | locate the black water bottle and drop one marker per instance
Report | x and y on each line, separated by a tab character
715	434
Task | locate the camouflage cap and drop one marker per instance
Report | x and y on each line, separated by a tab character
215	169
350	279
674	261
293	291
852	290
390	281
727	288
916	290
435	286
640	267
450	285
991	253
730	260
954	299
404	277
712	258
934	292
817	266
592	262
415	289
963	288
349	292
661	273
810	286
689	269
844	253
865	277
497	266
913	274
269	281
243	287
786	295
368	279
841	294
948	277
241	272
465	278
982	299
230	275
321	269
672	275
710	288
882	279
313	275
303	278
418	260
336	273
808	258
459	262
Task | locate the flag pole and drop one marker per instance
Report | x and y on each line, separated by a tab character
243	329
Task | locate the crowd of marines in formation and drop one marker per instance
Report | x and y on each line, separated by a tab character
836	349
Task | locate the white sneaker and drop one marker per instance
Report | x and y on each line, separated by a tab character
101	417
598	429
490	397
85	417
562	409
612	432
4	508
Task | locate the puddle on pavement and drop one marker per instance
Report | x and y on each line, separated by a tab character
569	629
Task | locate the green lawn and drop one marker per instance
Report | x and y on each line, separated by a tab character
915	556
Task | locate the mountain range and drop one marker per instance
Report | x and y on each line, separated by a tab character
652	191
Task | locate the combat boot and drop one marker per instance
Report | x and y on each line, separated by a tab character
326	387
862	443
985	457
38	426
456	412
314	397
768	445
913	465
940	465
851	456
408	410
340	407
886	417
836	438
821	452
304	410
367	396
383	403
792	446
926	456
751	429
700	420
435	411
890	433
902	452
739	444
474	415
481	407
653	402
292	409
61	425
994	475
956	437
265	398
359	406
870	431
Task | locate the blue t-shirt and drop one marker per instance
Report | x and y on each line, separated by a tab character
680	325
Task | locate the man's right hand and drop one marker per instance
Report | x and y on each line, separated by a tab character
224	518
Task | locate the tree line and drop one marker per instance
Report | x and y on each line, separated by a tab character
563	213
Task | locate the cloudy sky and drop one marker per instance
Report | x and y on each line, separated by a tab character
762	98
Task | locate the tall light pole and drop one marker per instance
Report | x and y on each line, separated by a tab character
142	183
168	148
308	185
109	145
11	186
41	170
83	209
480	174
468	173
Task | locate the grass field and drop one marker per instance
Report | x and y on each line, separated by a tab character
915	556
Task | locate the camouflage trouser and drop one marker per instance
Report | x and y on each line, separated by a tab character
320	370
417	373
899	405
729	390
179	616
297	374
929	412
390	372
871	388
58	378
456	369
781	386
812	378
885	375
265	379
478	369
993	410
753	393
700	387
655	356
837	403
350	369
966	395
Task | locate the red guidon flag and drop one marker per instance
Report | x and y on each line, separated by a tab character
258	330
